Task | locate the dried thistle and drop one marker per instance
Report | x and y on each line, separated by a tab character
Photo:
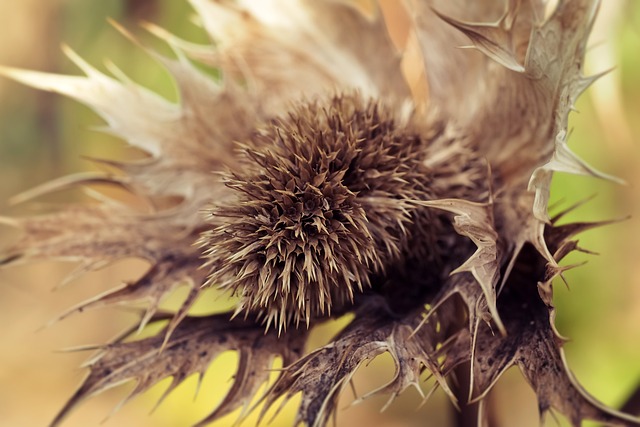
324	203
335	192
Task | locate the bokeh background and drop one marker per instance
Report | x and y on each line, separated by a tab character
44	136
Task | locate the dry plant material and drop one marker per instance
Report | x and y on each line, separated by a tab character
312	184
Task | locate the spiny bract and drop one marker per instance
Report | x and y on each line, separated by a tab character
313	183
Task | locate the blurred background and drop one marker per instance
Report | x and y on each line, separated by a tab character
44	136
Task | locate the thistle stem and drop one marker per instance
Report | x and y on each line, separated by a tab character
468	414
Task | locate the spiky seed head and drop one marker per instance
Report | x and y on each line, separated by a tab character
324	200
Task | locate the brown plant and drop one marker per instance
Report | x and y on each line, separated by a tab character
312	183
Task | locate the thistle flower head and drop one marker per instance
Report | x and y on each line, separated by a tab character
335	191
324	201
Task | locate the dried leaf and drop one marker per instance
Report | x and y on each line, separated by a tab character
322	374
293	48
195	343
547	86
158	282
183	147
451	72
533	344
96	233
494	40
475	221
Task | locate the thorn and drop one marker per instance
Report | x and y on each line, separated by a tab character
353	389
586	251
122	30
586	81
571	208
78	61
81	348
428	396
